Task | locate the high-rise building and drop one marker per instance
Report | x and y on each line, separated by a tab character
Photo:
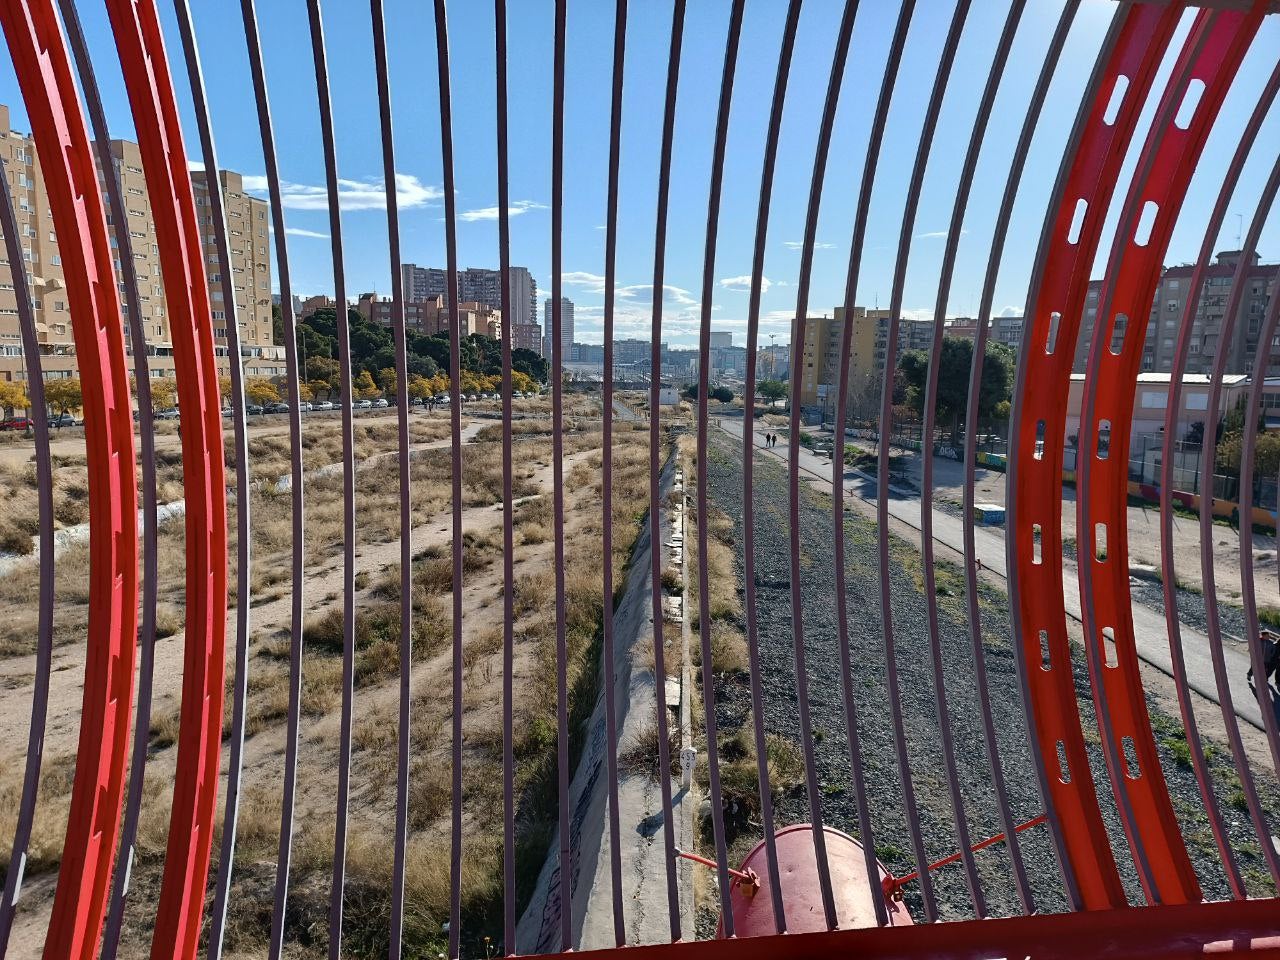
817	375
250	267
431	317
566	328
721	339
250	261
476	285
1162	324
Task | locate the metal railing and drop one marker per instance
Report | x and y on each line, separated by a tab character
1039	735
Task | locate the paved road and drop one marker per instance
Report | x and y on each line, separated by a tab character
1149	625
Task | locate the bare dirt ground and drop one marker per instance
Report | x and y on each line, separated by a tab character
377	685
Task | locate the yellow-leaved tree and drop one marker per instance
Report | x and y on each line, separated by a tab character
12	396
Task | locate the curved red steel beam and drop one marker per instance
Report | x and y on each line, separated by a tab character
136	27
43	69
1055	303
1211	57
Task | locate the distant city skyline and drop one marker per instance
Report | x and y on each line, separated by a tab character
588	67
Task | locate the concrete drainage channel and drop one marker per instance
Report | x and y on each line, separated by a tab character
644	867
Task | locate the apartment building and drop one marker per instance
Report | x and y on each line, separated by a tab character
818	373
526	336
1006	330
43	264
1169	304
475	285
432	316
566	328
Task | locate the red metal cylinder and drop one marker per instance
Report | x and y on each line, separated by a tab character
853	890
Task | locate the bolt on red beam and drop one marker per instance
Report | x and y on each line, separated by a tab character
1210	56
139	42
1055	303
41	63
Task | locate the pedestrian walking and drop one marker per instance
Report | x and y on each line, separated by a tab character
1270	657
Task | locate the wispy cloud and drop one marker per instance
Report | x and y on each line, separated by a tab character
491	213
591	282
937	234
798	245
300	232
744	283
352	194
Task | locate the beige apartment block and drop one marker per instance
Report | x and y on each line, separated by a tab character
818	372
250	266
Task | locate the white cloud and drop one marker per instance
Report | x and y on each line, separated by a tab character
195	166
491	213
299	232
352	194
643	293
937	234
591	282
744	283
797	245
1011	311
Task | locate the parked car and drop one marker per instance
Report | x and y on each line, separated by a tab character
64	420
228	412
472	397
281	407
306	406
253	409
362	405
17	423
380	402
323	405
170	414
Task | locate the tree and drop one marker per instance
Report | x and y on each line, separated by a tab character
224	387
363	387
522	382
12	396
261	391
419	387
953	379
723	394
772	390
305	394
64	394
324	370
388	380
164	394
318	387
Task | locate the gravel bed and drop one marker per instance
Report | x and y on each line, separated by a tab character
910	631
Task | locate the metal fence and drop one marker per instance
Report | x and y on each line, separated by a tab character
1116	867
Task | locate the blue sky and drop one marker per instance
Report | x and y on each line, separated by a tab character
590	32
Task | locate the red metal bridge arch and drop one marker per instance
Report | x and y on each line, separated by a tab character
46	45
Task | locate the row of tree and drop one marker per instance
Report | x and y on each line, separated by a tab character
428	356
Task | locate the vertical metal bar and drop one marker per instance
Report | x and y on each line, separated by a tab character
1211	55
704	367
1208	458
508	516
748	432
44	75
231	810
44	494
398	334
329	147
455	424
1132	51
146	431
1257	659
999	236
564	878
970	163
886	423
870	164
655	466
284	853
1168	574
606	467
